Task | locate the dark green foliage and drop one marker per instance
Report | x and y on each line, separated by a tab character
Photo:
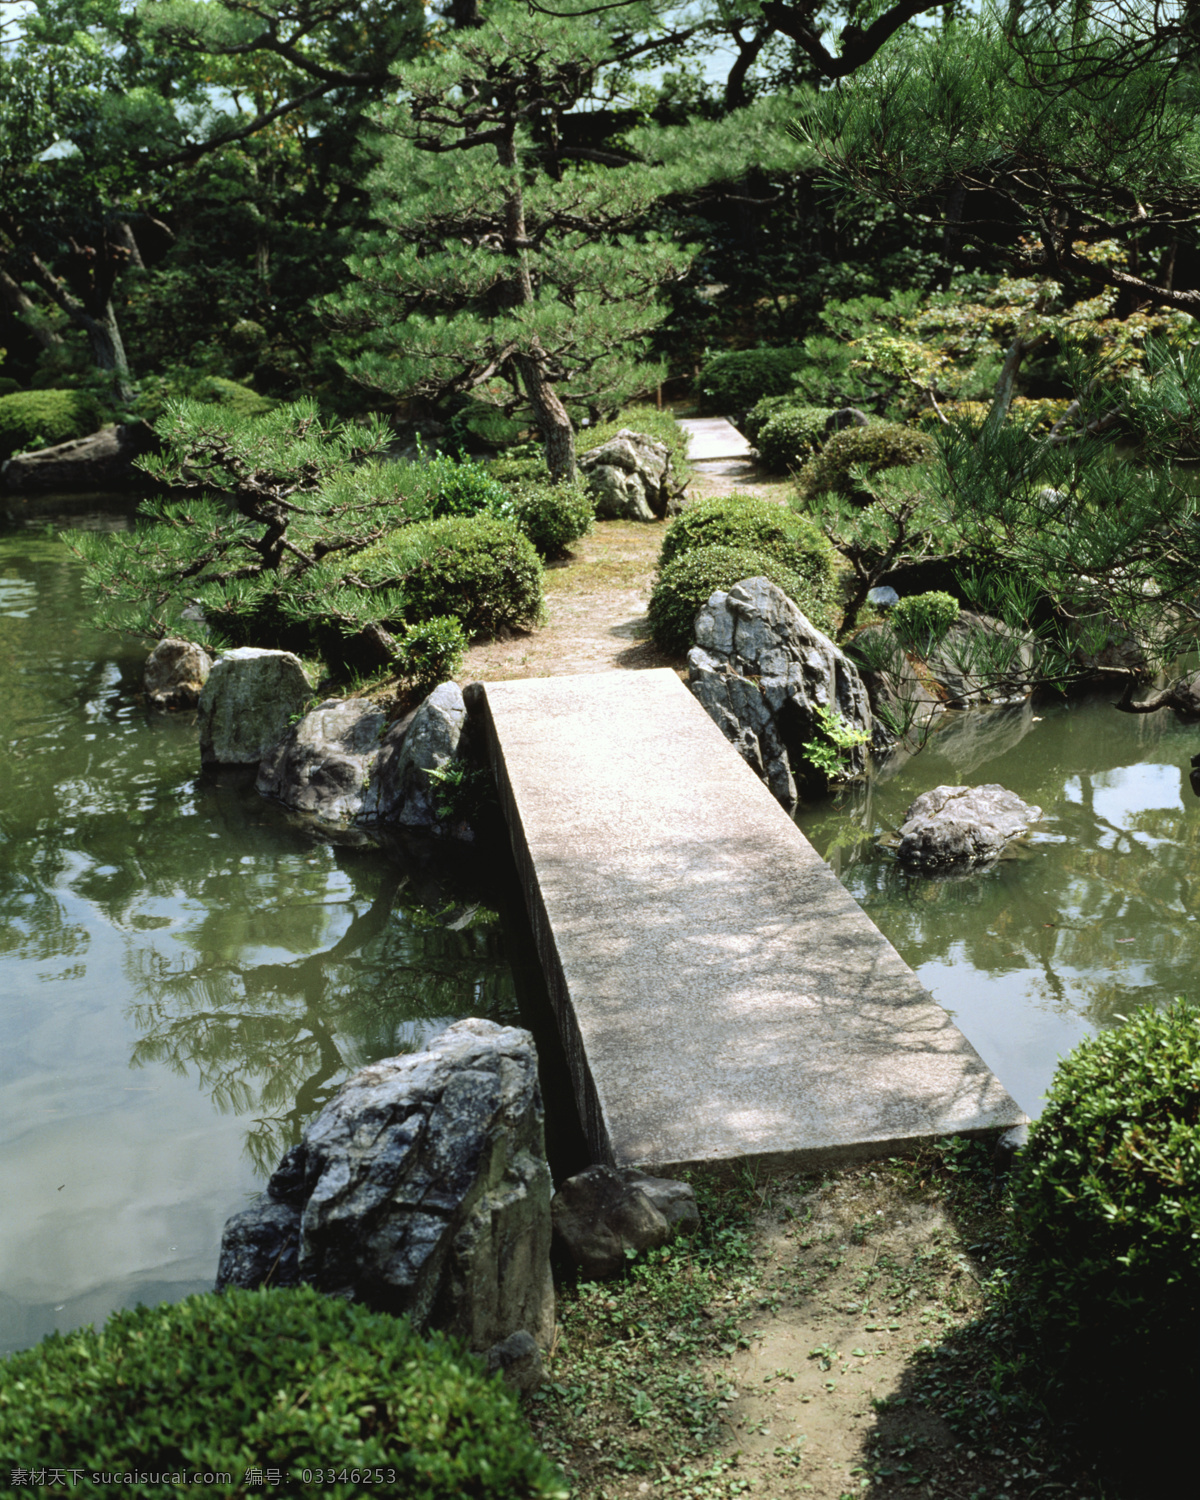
448	486
290	1380
39	419
882	445
762	411
430	652
478	568
736	381
240	398
551	515
1107	1217
479	423
921	620
526	462
8	385
759	526
688	582
791	436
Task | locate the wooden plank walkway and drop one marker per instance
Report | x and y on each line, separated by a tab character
720	995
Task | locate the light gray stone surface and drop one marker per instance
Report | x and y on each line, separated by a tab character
402	792
720	994
763	671
323	764
675	1200
631	477
963	825
421	1188
711	438
175	673
249	699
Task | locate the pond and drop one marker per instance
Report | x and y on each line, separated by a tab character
186	973
1094	917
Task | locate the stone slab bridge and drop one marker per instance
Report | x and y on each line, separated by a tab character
721	997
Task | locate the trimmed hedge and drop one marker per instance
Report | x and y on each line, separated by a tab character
1106	1209
552	516
39	419
735	381
921	620
882	445
687	583
760	526
792	435
479	568
291	1381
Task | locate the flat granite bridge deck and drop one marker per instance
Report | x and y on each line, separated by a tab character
720	995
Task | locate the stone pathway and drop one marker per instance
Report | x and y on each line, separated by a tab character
713	438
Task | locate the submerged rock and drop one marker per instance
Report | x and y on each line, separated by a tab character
962	825
175	673
764	673
420	1189
250	698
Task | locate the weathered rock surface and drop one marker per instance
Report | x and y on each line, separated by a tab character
260	1246
248	702
103	460
323	764
963	825
598	1216
175	673
762	670
845	416
676	1201
631	477
402	792
422	1188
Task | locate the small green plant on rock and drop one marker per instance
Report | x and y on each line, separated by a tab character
430	652
920	621
828	754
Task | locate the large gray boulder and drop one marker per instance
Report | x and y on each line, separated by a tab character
420	1189
962	825
175	673
323	764
104	460
402	791
248	702
763	671
631	477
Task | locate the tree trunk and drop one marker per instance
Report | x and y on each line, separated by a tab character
23	307
108	349
553	420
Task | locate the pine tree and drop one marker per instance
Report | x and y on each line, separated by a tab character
511	263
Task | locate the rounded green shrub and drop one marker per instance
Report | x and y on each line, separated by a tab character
686	583
479	422
791	436
923	619
479	568
1106	1208
735	381
882	445
552	516
446	486
332	1397
8	385
759	526
243	400
39	419
526	463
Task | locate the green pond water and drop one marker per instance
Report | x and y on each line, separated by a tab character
1095	916
186	973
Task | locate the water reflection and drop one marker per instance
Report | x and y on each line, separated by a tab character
185	973
1094	918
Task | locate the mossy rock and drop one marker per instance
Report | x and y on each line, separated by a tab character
245	401
39	419
240	1384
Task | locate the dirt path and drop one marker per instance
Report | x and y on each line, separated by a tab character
596	601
